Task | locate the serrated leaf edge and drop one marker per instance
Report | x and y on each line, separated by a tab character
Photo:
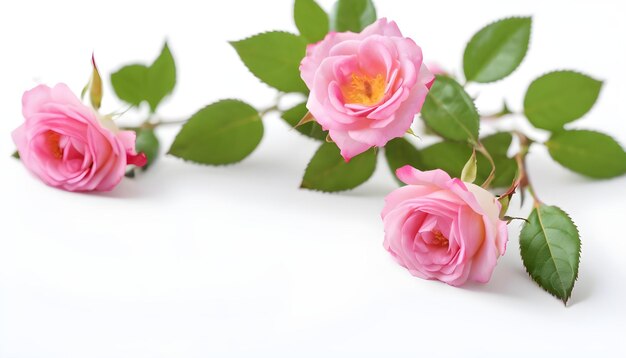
464	128
303	186
563	70
144	100
232	43
169	151
530	36
282	116
298	27
576	269
547	145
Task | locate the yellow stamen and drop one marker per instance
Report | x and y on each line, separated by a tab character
439	239
364	90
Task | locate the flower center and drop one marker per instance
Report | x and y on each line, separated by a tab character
52	142
363	89
439	239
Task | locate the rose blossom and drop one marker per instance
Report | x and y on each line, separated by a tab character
68	145
442	228
365	88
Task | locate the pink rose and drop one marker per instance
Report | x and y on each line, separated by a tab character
366	88
443	229
68	145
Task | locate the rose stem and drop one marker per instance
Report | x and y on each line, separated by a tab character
161	122
274	107
481	149
267	110
520	158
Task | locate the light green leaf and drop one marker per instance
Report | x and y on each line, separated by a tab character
550	248
162	78
135	84
274	58
352	15
589	153
224	132
129	84
560	97
450	111
310	129
496	50
311	20
400	152
327	171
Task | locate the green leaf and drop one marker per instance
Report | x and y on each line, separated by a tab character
550	248
400	152
589	153
135	84
450	111
498	143
352	15
162	77
496	50
310	129
16	155
506	168
148	143
327	171
224	132
129	84
560	97
274	58
446	155
451	158
311	20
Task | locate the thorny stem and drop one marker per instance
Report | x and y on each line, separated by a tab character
161	122
267	110
494	116
520	158
274	107
504	112
481	149
150	123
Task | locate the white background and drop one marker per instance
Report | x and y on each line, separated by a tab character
192	261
